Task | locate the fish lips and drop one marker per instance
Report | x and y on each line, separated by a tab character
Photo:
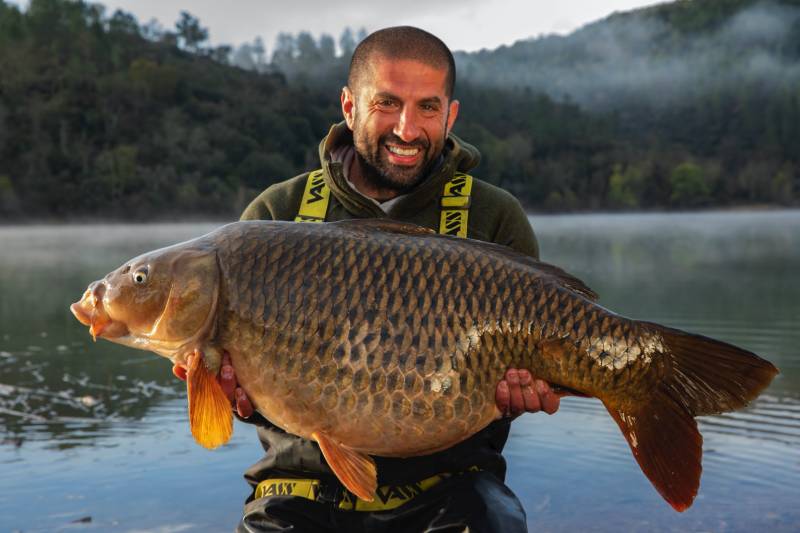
90	312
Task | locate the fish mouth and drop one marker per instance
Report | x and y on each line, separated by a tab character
77	309
90	312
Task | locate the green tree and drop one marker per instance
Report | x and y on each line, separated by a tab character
689	185
347	43
625	186
782	186
190	33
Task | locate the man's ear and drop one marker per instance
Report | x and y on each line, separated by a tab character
347	106
452	114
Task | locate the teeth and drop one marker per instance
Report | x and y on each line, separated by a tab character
403	151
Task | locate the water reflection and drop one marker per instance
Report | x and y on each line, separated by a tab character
55	384
732	276
84	421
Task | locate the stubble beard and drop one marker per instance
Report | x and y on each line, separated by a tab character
384	175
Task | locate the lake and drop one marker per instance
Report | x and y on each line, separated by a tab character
95	436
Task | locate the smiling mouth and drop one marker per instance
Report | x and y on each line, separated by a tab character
405	152
403	155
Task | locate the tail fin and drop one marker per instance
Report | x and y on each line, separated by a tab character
703	377
709	376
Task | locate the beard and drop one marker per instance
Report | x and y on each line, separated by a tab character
376	168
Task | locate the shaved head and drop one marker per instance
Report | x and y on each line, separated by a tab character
402	42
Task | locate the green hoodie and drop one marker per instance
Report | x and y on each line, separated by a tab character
494	214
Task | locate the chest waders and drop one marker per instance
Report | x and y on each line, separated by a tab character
454	204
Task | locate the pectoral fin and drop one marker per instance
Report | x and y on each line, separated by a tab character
355	470
210	412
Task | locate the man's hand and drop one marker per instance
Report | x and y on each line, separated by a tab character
227	380
519	393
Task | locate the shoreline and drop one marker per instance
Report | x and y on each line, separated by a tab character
191	219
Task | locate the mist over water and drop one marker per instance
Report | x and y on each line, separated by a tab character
731	276
638	57
99	430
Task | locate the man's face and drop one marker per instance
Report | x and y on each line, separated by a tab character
400	117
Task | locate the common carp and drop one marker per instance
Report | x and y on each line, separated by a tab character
382	338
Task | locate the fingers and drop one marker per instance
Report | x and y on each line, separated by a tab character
514	394
230	385
517	404
520	393
227	377
179	371
502	397
531	401
549	400
243	405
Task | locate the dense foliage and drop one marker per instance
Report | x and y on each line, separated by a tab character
97	120
102	116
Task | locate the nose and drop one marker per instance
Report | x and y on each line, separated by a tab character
406	127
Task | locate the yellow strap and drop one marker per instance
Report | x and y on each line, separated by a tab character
314	205
305	488
386	497
390	496
455	205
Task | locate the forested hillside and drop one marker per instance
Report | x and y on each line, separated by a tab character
703	97
695	103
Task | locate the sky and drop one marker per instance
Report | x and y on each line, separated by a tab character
462	24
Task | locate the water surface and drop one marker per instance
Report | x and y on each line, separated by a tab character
94	436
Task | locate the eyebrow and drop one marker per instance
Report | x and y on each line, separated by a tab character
384	94
428	100
432	100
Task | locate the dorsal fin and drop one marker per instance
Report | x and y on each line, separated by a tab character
566	279
384	224
553	272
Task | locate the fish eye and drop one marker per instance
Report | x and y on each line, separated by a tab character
140	276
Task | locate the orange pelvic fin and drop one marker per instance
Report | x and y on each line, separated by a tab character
210	412
665	442
356	471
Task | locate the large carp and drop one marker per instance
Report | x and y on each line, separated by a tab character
374	337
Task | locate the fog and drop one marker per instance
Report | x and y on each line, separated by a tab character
637	56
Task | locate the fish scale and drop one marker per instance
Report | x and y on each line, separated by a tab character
381	338
497	322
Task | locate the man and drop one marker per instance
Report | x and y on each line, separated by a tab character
393	156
